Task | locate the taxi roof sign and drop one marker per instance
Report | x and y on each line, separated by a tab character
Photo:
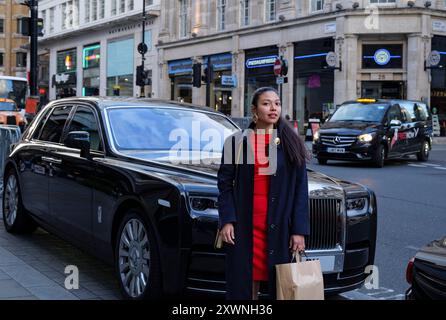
7	100
366	100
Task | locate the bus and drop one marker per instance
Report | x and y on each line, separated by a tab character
14	88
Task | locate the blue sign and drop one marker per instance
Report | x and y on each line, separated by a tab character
180	67
261	62
230	81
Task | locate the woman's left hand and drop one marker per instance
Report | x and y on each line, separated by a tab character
297	243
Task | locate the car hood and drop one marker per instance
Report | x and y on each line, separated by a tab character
434	252
348	127
195	176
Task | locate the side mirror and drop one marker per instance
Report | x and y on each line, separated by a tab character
79	140
395	123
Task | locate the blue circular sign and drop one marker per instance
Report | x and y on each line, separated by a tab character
382	57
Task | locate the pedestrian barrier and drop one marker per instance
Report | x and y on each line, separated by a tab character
8	135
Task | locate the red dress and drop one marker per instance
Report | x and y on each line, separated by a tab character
260	210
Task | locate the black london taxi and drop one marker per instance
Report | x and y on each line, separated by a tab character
375	130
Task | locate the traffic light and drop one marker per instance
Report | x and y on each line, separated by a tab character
284	66
140	76
208	74
196	68
25	27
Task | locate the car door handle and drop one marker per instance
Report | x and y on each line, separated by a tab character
52	160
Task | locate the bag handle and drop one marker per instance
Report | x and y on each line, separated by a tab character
300	254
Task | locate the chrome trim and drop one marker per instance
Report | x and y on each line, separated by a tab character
206	290
204	280
337	140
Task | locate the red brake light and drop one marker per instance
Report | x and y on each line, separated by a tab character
409	271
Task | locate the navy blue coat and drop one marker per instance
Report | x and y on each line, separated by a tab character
288	214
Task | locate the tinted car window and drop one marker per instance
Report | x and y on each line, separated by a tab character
360	112
39	125
52	131
407	108
84	120
161	128
421	112
394	114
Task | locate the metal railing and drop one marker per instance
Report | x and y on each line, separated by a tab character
9	135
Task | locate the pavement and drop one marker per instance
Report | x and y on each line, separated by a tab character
32	267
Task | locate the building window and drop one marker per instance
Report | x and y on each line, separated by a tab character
87	10
51	18
221	14
101	9
1	59
113	7
2	26
382	1
271	6
131	5
75	12
245	13
21	59
317	5
120	67
121	6
94	10
183	18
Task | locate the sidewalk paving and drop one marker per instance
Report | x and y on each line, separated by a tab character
32	268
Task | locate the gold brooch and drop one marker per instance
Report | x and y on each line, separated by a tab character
277	141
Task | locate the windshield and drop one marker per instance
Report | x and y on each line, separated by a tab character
167	129
360	112
14	90
7	106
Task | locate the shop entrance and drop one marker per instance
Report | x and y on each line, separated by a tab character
383	89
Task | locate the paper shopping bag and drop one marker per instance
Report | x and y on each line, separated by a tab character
300	280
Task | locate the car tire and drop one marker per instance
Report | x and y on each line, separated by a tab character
15	218
137	259
423	154
379	156
322	161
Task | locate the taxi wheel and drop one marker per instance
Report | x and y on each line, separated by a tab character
379	157
322	161
423	154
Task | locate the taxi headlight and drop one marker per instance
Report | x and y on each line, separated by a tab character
365	137
316	136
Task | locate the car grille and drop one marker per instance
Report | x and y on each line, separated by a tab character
338	141
325	224
11	120
431	279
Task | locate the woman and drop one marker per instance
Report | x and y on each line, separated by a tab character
263	218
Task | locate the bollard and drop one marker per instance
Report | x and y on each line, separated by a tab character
8	135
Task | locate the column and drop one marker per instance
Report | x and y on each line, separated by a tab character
346	48
418	46
79	71
53	71
238	93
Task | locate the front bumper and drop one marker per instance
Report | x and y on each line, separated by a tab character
355	152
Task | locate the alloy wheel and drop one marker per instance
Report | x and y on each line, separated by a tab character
11	201
134	258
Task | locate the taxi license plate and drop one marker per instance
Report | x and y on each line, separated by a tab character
327	262
336	150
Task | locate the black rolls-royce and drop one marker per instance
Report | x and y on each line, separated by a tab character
132	181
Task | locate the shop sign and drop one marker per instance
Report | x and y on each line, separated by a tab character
66	61
382	57
438	93
330	27
221	62
62	79
91	56
261	62
439	26
230	81
180	67
434	58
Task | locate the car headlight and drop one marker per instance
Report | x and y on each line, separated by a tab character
204	205
366	137
316	136
357	206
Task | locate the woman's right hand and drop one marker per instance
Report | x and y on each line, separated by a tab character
227	233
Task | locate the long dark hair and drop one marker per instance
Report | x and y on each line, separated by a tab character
293	144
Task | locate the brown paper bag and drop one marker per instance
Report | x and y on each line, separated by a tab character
299	280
